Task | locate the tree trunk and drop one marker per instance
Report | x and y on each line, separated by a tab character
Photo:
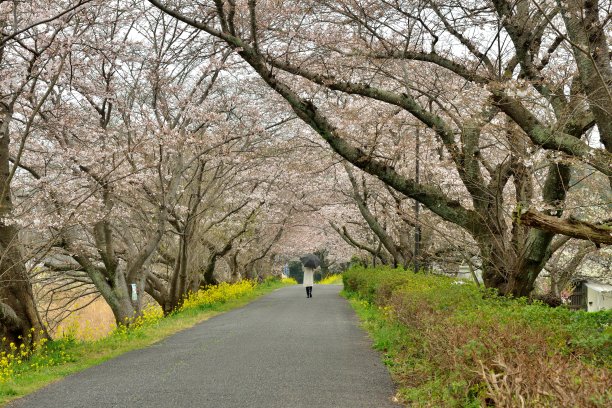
495	273
512	268
19	314
158	290
115	292
235	270
509	273
531	262
178	281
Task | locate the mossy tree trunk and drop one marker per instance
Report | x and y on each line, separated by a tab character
19	316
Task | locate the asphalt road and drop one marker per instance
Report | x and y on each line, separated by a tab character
283	350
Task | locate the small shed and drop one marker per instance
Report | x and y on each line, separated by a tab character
591	295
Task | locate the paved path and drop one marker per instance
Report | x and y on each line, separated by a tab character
283	350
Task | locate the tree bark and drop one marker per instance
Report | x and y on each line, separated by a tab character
19	313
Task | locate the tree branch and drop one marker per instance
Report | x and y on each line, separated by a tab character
598	234
352	242
549	139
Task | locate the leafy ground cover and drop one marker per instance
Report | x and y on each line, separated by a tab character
450	344
23	370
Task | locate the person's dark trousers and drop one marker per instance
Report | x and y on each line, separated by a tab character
308	291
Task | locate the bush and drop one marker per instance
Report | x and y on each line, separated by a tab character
220	293
332	279
462	346
289	281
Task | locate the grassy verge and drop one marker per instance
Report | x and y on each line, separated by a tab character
455	345
66	356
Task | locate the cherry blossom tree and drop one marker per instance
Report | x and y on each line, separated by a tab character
490	82
99	164
158	147
35	39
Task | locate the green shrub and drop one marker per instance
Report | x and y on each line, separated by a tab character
465	346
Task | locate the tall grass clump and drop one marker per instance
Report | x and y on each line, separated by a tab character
455	345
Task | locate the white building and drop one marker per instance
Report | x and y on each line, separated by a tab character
591	295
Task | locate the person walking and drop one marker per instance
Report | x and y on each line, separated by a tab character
310	262
308	280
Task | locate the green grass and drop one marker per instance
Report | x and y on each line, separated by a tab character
67	356
401	357
450	345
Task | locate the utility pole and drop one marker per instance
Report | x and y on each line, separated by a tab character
417	227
